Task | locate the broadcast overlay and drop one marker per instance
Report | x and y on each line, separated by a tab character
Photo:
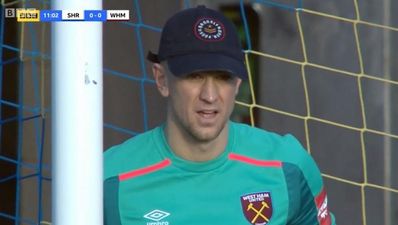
35	15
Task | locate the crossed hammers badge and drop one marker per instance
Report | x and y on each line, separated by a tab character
257	207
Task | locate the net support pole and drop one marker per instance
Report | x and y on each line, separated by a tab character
77	120
387	113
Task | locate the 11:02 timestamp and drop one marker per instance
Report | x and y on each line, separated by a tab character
50	15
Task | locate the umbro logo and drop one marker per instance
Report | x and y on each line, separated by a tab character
157	215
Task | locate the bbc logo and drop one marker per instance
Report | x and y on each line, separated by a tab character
11	12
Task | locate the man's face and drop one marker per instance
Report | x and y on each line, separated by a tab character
200	104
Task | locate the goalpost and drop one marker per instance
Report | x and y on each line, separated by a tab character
77	118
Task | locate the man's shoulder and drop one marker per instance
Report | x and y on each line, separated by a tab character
128	146
258	137
130	154
266	145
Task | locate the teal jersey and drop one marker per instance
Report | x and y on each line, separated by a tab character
260	178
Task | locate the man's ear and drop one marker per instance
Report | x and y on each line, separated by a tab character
159	73
238	83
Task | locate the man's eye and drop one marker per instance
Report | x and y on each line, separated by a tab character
224	76
194	76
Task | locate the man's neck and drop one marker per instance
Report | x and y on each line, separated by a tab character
186	147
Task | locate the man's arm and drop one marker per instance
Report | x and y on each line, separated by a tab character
308	203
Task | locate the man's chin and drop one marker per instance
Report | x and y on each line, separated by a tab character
207	133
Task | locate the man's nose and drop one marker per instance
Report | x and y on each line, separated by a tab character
209	90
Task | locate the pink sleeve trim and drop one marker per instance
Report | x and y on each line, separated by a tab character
256	162
145	170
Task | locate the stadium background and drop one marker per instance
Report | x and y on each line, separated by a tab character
325	71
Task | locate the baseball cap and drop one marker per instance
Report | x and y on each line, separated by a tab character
200	39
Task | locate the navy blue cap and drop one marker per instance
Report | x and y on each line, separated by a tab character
200	39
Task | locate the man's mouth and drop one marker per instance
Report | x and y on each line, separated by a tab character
207	114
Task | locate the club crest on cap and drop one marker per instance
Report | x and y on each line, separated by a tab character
207	29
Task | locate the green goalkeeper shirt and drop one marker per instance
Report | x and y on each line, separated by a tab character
260	178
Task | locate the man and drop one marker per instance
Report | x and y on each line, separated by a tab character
199	168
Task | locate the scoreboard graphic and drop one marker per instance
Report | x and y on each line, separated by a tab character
35	15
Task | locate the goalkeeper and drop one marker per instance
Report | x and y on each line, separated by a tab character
200	168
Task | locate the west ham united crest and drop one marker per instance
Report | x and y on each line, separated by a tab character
257	207
207	29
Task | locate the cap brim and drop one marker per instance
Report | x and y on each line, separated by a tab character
186	64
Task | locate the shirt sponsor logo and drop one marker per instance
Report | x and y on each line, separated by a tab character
257	207
321	202
157	215
207	29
